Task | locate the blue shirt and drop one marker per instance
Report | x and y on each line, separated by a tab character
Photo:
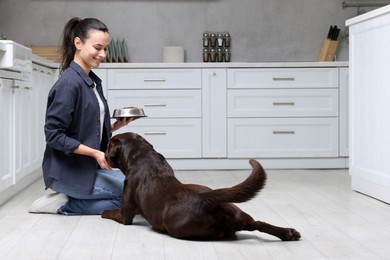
73	118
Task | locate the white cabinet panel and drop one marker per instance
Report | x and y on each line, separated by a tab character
23	106
369	103
282	137
282	102
344	117
159	103
173	138
283	78
154	79
214	127
6	134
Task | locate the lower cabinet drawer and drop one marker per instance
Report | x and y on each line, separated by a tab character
159	103
283	103
282	137
173	138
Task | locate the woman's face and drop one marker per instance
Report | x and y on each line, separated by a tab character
90	53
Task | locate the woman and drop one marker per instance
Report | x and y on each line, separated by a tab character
78	128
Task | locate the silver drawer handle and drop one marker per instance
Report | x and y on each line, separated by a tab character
155	105
28	88
155	133
283	132
283	79
15	87
283	103
155	80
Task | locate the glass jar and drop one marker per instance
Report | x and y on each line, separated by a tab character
219	40
206	55
220	55
213	55
206	39
227	55
213	39
227	39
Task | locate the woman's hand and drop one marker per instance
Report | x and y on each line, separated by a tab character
98	155
101	160
121	122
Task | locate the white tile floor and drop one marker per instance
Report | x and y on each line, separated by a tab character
335	223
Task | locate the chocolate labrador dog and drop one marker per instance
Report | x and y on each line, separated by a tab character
186	211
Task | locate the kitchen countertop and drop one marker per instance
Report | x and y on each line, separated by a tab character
50	64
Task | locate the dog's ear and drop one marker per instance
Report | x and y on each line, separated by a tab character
113	147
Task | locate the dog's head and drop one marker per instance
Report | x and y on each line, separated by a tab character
124	148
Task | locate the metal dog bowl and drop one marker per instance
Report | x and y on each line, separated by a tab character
128	112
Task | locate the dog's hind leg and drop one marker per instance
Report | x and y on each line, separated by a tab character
285	234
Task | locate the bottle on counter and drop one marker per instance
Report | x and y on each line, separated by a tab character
227	55
227	39
213	55
206	55
213	39
220	55
206	39
220	40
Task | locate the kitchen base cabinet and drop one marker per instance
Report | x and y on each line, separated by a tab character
218	116
282	137
6	134
23	105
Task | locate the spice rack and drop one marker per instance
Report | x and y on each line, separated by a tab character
216	47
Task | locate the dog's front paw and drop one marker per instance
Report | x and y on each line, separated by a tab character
292	235
108	214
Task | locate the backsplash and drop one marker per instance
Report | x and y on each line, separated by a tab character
263	30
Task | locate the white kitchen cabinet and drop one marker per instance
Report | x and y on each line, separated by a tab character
282	137
369	37
283	113
6	134
217	116
42	81
214	120
171	98
23	105
249	78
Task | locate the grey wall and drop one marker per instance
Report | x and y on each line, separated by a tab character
262	30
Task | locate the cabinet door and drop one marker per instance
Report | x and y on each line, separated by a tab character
283	102
283	78
172	137
214	120
154	79
282	137
159	103
42	82
6	134
23	121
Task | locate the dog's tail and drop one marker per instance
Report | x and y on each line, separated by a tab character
241	192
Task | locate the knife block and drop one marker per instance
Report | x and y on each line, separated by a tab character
328	50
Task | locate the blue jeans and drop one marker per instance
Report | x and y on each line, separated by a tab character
106	194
